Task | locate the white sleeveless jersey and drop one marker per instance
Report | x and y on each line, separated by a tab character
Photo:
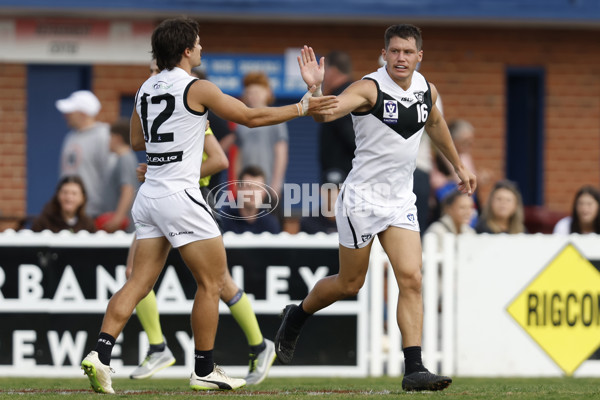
387	141
174	133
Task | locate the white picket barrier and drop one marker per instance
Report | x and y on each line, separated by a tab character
470	284
386	344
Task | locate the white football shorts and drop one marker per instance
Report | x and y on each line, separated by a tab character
358	221
181	217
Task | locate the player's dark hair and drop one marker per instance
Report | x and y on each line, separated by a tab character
404	31
575	223
121	128
341	60
171	38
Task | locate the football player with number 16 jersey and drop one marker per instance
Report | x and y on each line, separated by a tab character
390	108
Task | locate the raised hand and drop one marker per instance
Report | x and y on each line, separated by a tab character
312	71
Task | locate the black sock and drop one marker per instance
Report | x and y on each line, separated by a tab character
297	318
155	348
204	362
258	348
412	360
104	347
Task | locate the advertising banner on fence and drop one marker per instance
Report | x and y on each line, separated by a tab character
53	295
529	305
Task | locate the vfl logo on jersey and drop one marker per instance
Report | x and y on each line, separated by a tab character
164	158
390	111
420	95
411	218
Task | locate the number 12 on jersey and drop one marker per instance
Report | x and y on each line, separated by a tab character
158	117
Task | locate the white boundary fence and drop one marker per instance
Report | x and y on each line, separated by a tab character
438	327
467	288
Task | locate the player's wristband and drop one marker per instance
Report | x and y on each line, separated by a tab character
303	104
318	92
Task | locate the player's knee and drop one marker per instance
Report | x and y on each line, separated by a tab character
229	289
145	291
351	288
213	284
410	280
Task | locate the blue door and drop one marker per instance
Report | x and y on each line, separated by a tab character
525	132
46	126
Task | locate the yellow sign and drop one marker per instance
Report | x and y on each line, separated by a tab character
560	309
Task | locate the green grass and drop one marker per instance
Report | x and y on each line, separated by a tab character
310	388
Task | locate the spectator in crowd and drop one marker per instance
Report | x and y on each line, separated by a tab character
324	221
265	146
85	150
457	210
585	215
443	177
503	212
336	138
66	209
463	135
253	215
122	182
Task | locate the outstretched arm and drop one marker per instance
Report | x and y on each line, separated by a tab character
360	96
204	94
440	135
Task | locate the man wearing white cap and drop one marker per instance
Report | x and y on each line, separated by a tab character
85	151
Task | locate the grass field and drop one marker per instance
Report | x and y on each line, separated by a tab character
310	388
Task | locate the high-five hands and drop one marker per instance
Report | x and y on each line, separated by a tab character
313	72
323	105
